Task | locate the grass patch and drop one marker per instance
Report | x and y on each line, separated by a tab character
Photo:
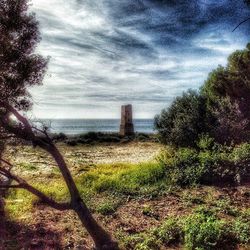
19	202
128	179
107	207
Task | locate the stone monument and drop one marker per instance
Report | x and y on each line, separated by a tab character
126	127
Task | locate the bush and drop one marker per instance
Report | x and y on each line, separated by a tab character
210	164
59	137
107	208
99	137
220	108
71	142
203	230
181	124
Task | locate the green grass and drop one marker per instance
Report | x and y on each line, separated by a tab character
107	207
124	179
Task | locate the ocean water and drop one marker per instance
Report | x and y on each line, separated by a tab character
78	126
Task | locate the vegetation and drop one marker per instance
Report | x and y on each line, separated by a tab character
202	229
99	137
211	163
20	69
181	124
194	217
220	108
207	135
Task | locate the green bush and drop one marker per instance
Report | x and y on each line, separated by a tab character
220	108
227	91
211	163
107	208
182	123
203	230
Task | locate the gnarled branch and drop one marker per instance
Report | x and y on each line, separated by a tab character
24	185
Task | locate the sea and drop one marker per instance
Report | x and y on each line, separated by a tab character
81	126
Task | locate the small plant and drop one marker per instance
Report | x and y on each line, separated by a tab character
242	227
203	230
210	164
148	211
107	208
225	206
170	232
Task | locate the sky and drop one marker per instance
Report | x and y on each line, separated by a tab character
106	53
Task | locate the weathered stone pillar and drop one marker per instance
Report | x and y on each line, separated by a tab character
126	127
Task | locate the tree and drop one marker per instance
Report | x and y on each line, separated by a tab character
20	68
184	120
231	126
227	90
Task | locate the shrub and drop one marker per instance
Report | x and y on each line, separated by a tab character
203	230
71	142
170	232
59	137
210	164
107	208
91	137
227	91
181	123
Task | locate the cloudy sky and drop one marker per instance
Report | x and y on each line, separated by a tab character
105	53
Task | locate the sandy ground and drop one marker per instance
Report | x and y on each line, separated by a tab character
81	157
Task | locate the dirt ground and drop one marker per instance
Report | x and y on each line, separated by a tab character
48	229
51	229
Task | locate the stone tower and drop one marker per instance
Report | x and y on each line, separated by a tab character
126	127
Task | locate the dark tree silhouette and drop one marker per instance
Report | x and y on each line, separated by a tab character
21	68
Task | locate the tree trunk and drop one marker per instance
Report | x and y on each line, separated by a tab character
102	240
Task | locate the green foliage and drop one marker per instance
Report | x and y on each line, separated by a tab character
220	108
205	142
170	232
210	163
203	230
107	207
227	91
225	206
233	80
183	121
242	227
167	234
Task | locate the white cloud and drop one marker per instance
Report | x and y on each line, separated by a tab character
106	53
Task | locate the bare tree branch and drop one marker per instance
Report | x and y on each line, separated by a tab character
240	24
24	185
